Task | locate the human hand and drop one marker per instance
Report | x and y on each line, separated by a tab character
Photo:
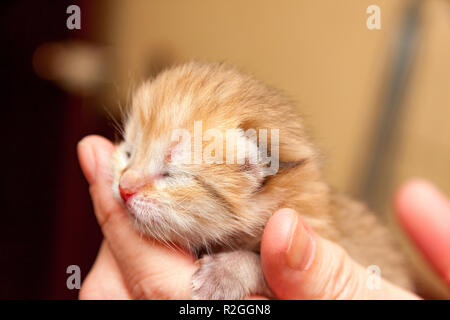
424	213
128	266
299	264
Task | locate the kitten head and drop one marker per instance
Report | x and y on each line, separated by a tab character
190	169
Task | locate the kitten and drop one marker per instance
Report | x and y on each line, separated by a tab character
218	210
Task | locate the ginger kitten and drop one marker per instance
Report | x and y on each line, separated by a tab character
179	187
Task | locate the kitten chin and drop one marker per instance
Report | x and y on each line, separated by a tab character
220	209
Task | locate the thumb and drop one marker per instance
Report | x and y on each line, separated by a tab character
149	269
299	264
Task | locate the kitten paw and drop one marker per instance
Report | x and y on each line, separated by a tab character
216	280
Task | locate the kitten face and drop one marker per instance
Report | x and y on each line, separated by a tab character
174	201
188	204
196	204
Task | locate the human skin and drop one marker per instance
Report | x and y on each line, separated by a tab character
129	266
424	213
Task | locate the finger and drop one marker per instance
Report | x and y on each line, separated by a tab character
299	264
424	213
149	269
104	281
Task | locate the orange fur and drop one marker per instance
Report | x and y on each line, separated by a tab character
220	207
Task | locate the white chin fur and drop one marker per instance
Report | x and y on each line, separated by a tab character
146	211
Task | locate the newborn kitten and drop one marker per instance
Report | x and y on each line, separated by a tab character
218	210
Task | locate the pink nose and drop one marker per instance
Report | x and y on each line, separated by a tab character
131	182
125	193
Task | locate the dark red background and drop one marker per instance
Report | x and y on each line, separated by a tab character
47	221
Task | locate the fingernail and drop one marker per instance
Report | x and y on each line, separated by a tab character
301	248
88	164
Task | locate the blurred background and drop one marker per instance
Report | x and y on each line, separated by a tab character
377	102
